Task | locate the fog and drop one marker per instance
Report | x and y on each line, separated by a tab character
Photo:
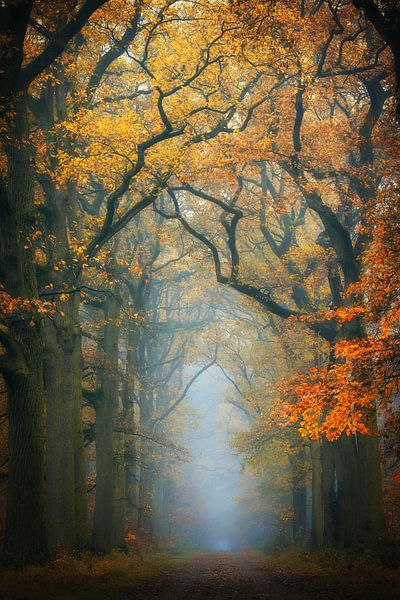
224	518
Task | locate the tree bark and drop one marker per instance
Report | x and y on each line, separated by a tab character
65	468
329	491
130	450
299	499
105	514
146	479
373	525
317	513
22	365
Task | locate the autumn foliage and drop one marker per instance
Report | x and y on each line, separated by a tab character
189	186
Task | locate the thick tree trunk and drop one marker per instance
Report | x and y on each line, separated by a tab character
317	512
106	517
25	530
119	491
60	468
81	516
347	523
372	519
329	490
130	451
361	521
65	469
22	366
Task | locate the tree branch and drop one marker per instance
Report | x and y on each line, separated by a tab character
175	404
57	44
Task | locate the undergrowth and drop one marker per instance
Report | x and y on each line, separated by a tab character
86	578
363	575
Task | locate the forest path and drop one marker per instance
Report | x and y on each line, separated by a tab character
245	576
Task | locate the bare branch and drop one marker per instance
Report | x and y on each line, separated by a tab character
175	404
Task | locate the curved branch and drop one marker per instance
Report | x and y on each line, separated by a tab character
57	44
325	329
388	26
113	53
175	404
201	194
299	115
338	234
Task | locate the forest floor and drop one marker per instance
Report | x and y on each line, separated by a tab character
248	576
218	575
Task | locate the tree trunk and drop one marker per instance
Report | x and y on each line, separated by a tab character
317	513
81	514
348	497
146	480
372	519
25	530
65	468
160	520
119	491
60	469
329	490
146	491
299	499
105	515
22	365
130	450
357	458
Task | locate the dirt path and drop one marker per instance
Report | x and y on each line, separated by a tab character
244	576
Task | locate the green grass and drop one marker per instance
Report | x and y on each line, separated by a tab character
86	578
